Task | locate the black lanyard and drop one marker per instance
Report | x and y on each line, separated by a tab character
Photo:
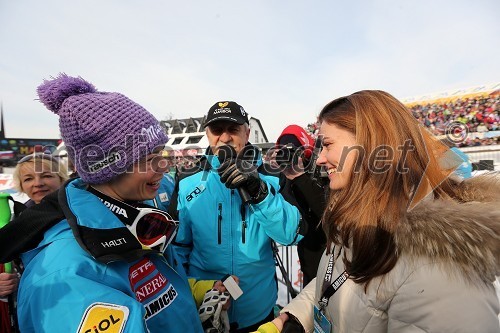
330	288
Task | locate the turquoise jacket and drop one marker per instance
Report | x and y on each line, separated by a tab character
217	236
74	280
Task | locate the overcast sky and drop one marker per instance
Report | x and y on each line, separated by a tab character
281	60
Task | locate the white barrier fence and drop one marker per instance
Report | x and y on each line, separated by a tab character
484	153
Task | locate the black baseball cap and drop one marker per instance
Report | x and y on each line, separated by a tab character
229	111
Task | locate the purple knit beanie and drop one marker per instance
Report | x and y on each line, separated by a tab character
104	132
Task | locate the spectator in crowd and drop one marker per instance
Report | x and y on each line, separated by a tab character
482	128
39	174
477	141
230	210
36	175
408	249
295	149
91	247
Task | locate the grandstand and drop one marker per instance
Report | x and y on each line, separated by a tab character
469	117
477	108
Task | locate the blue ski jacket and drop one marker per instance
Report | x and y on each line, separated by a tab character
89	274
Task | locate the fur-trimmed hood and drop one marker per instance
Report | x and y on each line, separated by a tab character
465	234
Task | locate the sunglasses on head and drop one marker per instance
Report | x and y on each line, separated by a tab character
43	156
152	227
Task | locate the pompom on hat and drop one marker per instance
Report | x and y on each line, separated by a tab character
104	132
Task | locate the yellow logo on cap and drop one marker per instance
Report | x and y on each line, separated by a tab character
103	317
223	105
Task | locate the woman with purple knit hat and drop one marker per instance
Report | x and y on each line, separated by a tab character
96	259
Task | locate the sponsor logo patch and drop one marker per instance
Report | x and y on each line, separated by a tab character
217	111
151	288
160	303
111	159
114	243
152	132
114	208
196	192
104	317
163	197
140	271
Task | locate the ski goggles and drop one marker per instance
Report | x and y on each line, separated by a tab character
152	227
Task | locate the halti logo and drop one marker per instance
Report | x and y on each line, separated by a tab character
197	190
114	208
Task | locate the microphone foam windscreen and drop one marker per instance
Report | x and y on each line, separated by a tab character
226	153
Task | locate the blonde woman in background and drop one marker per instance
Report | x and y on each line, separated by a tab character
39	174
36	175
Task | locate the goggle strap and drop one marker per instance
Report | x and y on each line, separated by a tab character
116	207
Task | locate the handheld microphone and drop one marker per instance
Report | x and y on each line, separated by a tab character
226	153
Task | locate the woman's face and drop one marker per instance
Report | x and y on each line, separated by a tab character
37	180
142	181
336	156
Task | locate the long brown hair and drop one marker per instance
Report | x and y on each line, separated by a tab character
397	165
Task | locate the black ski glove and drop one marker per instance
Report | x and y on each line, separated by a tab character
243	175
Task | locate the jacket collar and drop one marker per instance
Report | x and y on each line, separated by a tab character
466	234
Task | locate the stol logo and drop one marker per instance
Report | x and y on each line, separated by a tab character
196	192
104	318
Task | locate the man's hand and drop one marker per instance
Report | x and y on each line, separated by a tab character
293	171
238	173
218	285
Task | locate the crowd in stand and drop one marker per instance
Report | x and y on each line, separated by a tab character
478	114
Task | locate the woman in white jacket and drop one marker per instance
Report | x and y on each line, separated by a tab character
410	248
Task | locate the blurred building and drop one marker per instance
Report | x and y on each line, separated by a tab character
187	136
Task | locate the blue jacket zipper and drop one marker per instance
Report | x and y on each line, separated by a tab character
243	222
219	225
